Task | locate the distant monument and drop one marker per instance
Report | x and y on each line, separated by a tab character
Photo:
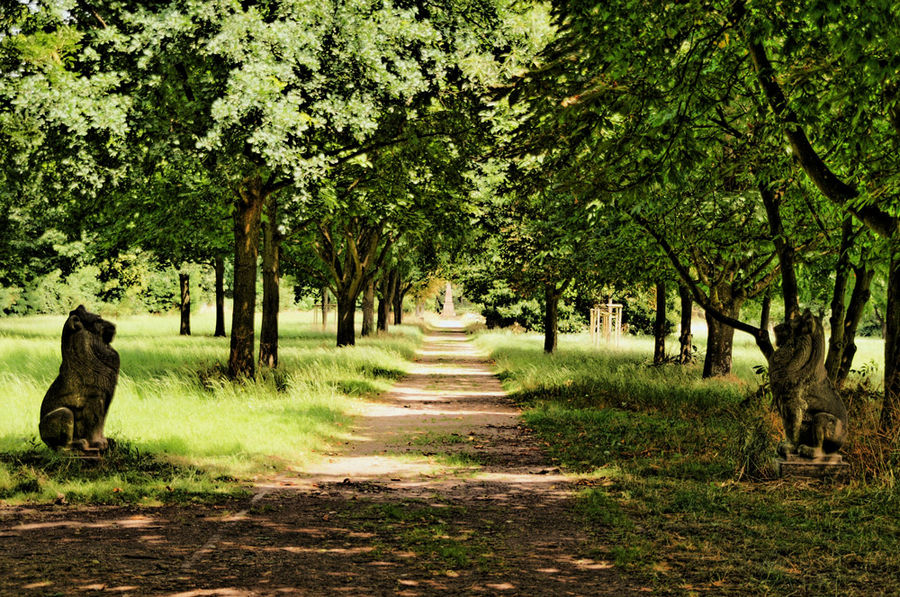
448	312
814	417
74	409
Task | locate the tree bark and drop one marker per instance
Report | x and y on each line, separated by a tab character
659	325
858	299
368	309
834	189
881	321
720	339
712	307
685	338
346	312
836	343
399	295
394	290
383	292
890	411
247	221
551	317
324	306
268	334
785	250
220	296
389	283
184	284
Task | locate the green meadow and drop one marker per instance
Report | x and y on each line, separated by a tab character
181	429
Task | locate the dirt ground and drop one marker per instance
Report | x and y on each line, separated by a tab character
442	491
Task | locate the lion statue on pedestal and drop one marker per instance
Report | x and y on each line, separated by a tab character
814	416
74	409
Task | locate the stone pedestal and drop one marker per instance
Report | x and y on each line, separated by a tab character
827	467
89	454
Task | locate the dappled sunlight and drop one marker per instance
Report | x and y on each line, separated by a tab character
128	523
425	395
458	414
369	467
294	549
224	592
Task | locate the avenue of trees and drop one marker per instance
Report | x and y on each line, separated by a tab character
741	155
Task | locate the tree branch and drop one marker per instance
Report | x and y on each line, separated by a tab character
760	335
834	189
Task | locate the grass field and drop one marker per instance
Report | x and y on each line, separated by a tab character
181	429
677	484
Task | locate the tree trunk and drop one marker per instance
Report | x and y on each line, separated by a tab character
394	290
890	411
247	220
685	338
398	302
324	307
368	309
352	254
836	343
346	311
184	283
389	283
845	318
785	251
659	325
720	340
220	296
268	334
383	292
551	317
858	300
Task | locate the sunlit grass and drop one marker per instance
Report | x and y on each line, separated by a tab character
173	402
638	350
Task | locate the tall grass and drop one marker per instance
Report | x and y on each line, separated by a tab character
173	401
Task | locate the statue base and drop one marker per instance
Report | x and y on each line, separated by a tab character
830	467
89	454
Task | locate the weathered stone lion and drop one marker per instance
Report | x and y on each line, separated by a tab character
815	420
74	409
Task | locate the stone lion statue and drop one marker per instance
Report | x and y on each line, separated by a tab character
815	420
74	409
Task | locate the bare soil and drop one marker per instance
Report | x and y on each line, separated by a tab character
441	491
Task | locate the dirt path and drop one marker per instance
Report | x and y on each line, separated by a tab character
442	491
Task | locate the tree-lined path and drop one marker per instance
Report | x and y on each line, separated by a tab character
438	489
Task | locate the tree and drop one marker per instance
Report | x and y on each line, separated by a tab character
844	88
652	117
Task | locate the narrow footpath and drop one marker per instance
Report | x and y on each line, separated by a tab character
441	491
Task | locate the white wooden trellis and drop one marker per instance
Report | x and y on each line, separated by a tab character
606	323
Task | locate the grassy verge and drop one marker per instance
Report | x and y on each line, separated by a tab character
675	485
182	429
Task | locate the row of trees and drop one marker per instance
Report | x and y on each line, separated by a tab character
334	140
743	150
736	150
